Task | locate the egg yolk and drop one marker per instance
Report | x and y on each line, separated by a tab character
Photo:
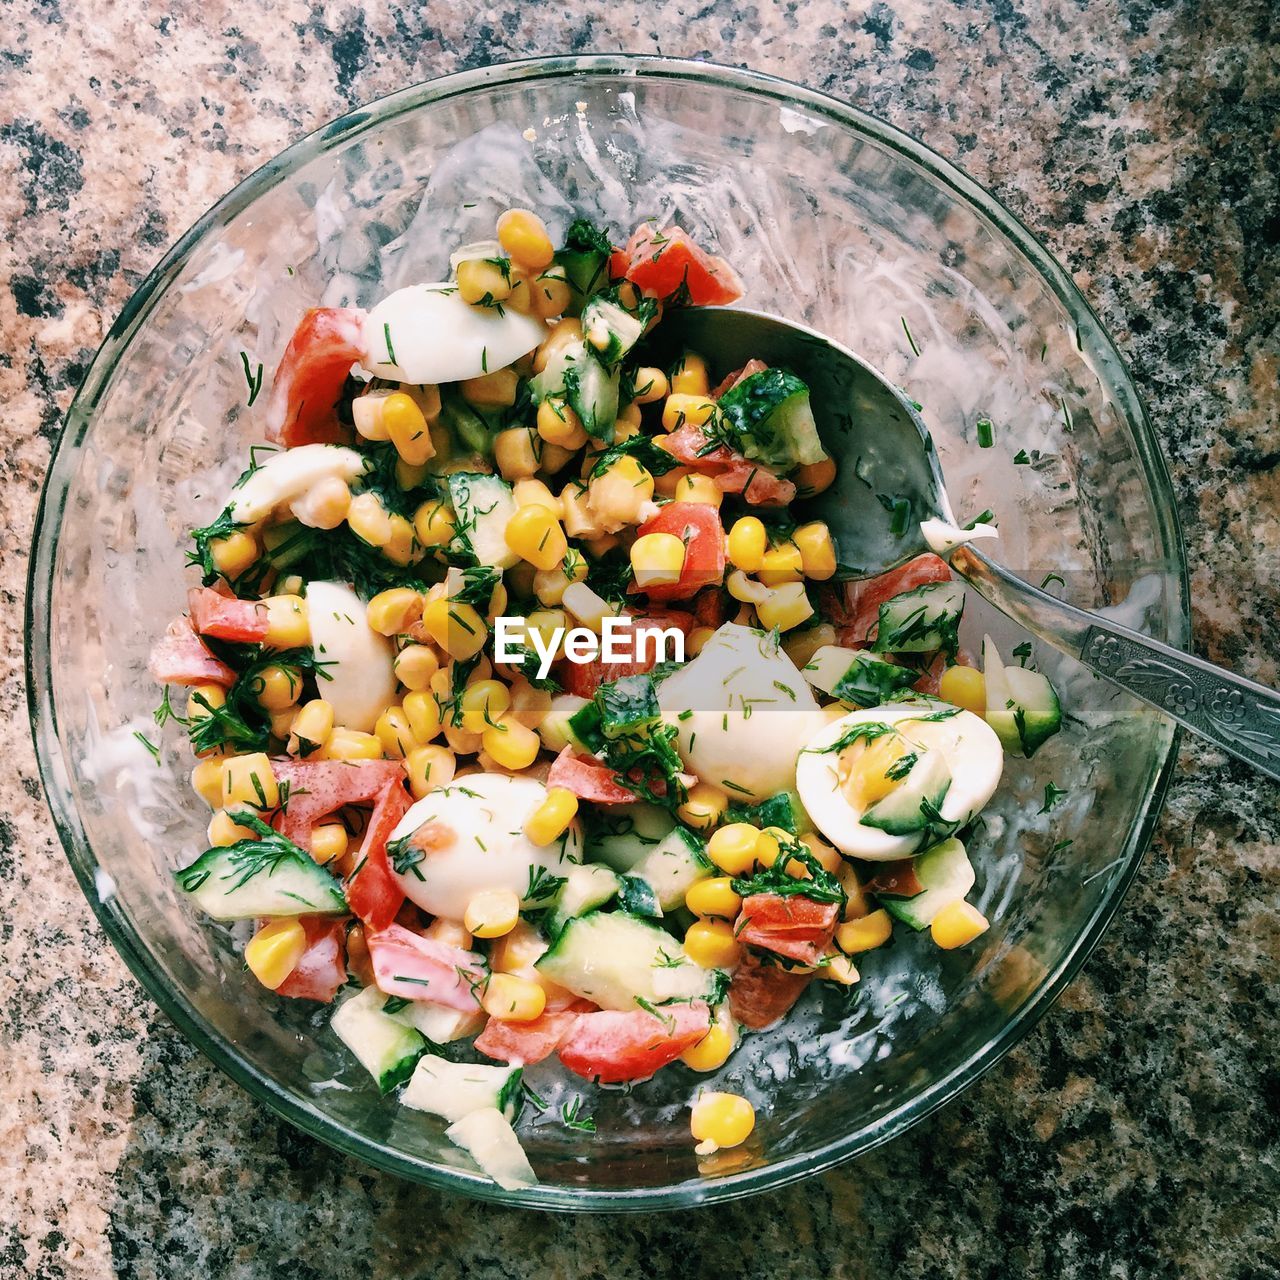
864	769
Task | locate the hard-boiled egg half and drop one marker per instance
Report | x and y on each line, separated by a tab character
356	673
428	334
470	838
913	770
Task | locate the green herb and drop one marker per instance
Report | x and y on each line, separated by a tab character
821	887
542	884
537	1100
1022	652
1052	794
901	767
640	447
1067	425
391	351
986	433
1052	577
910	339
253	379
901	519
667	1020
649	765
248	858
1022	458
146	742
165	712
571	1114
395	1003
404	856
1061	847
986	517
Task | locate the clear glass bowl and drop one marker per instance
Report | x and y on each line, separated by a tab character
833	218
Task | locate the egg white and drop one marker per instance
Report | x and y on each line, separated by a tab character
480	842
288	474
969	744
361	681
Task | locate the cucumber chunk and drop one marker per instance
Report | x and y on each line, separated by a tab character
575	374
616	959
386	1047
488	1138
913	805
672	868
482	504
771	420
921	621
452	1090
637	897
947	875
556	729
611	329
624	835
856	676
585	259
585	888
439	1025
585	728
1022	706
783	810
627	706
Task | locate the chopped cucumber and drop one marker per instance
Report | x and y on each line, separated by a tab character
783	810
637	897
921	621
1022	706
466	424
771	420
627	706
856	676
611	329
452	1090
268	877
482	505
488	1138
616	959
385	1046
672	867
575	374
947	875
623	835
585	728
585	888
439	1025
555	730
585	259
913	805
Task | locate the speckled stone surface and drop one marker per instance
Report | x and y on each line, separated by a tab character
1135	1133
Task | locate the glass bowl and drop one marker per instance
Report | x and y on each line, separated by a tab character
833	218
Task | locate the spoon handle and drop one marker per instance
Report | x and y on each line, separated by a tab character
1241	717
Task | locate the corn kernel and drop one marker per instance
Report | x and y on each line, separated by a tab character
406	427
367	518
687	410
535	535
516	452
234	554
720	1120
781	564
428	768
224	830
366	413
408	477
249	780
815	478
483	703
551	819
768	847
817	550
422	712
657	559
329	842
690	377
712	944
484	281
402	547
866	934
511	744
558	424
492	912
324	505
414	666
288	625
523	236
713	898
694	487
589	608
516	951
704	807
521	296
630	414
964	687
748	541
827	857
456	627
534	493
276	688
203	699
272	954
352	744
206	781
617	497
549	585
786	607
551	293
733	848
651	385
839	969
393	611
555	458
282	723
857	904
513	999
958	923
493	390
529	705
434	523
712	1050
394	731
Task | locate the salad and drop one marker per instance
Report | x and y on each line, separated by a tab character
533	715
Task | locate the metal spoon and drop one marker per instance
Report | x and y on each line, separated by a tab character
875	434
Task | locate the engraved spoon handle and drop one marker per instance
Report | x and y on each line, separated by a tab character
1241	717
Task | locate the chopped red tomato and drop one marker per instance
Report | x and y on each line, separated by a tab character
711	608
731	472
697	525
226	618
788	925
761	993
584	678
668	263
588	779
309	379
752	366
181	657
897	878
528	1042
863	599
322	970
318	788
406	964
373	892
613	1047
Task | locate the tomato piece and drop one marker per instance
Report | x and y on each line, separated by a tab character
417	968
529	1042
226	618
711	608
864	598
663	263
698	526
612	1047
752	366
584	678
181	657
321	972
318	788
761	993
588	779
310	376
788	925
898	879
373	892
731	471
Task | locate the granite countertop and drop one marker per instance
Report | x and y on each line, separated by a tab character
1134	1133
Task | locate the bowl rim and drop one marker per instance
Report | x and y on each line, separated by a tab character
53	500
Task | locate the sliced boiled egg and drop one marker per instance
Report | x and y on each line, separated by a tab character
289	474
470	836
953	763
357	676
427	334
